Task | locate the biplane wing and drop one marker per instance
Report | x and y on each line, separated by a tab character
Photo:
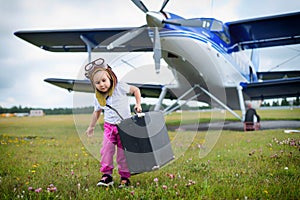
74	40
279	88
147	90
265	31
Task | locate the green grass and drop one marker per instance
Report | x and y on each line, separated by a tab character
38	152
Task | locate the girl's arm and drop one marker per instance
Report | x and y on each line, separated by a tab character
90	130
137	94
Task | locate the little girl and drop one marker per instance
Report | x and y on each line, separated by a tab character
108	91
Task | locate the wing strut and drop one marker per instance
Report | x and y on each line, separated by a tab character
241	99
172	107
90	45
220	102
161	98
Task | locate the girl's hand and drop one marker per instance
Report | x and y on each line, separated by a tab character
90	131
138	108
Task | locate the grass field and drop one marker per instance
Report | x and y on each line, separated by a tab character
46	158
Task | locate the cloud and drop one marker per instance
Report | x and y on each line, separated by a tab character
6	80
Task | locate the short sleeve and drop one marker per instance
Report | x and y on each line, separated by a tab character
124	87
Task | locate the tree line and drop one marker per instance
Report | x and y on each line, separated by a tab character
82	110
145	107
284	102
61	111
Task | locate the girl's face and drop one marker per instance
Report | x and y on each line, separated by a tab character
102	81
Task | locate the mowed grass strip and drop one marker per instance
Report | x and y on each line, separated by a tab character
44	158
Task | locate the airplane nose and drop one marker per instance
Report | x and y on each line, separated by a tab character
154	19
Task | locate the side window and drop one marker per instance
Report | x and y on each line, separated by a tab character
206	24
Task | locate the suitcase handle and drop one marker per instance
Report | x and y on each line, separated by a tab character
140	115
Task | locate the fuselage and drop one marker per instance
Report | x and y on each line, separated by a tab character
204	57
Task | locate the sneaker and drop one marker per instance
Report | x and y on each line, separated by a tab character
124	182
106	180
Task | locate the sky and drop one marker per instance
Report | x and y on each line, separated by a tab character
24	66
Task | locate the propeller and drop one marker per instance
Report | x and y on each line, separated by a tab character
125	38
163	5
157	50
140	5
184	22
154	19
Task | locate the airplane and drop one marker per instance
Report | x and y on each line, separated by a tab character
206	56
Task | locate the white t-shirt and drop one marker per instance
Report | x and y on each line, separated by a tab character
119	100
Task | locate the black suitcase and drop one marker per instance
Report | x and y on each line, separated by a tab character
146	142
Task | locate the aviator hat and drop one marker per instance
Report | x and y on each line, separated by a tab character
96	66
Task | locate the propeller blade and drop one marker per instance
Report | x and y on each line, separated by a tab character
185	22
125	38
164	5
140	5
157	50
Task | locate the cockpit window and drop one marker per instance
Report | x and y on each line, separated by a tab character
216	26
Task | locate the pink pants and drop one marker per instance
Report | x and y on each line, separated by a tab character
111	139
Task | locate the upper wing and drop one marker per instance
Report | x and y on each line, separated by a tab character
265	31
147	90
71	84
270	89
73	40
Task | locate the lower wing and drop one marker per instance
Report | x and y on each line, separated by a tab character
280	88
147	90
